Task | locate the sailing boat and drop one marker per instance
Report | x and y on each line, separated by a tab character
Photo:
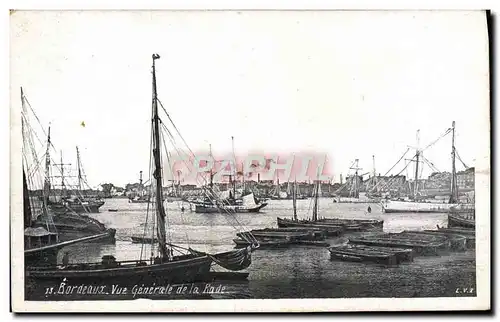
397	206
165	267
330	230
331	226
42	241
67	222
140	197
175	193
75	202
353	183
220	202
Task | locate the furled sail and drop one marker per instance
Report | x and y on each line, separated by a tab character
234	260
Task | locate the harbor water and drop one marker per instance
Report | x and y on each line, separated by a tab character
297	271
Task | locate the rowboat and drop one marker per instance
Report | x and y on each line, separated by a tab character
367	254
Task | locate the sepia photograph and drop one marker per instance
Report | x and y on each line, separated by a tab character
317	160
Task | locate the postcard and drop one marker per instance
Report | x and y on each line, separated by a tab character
249	161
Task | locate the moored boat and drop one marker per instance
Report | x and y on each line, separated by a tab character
311	233
330	230
366	254
71	226
469	234
248	206
417	204
161	265
143	240
313	223
461	219
402	254
457	242
355	224
396	206
278	235
263	243
419	246
42	239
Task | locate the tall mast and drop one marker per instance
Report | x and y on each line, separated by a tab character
26	197
27	205
178	190
355	186
234	163
63	187
278	189
160	211
79	169
141	191
46	190
374	172
454	186
243	176
294	195
211	170
415	186
315	209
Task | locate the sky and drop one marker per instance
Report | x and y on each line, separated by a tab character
348	84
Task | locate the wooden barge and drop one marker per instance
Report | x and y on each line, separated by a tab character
379	255
419	246
469	234
457	242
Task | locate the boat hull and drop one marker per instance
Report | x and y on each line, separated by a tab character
47	255
177	271
461	220
174	199
393	206
457	242
143	240
231	209
73	226
330	230
91	207
137	201
355	224
367	254
419	244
